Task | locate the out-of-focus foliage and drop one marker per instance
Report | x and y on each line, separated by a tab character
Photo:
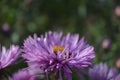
97	20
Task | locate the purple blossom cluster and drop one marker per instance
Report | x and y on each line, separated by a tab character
55	56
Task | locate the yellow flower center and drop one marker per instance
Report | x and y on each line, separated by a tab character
58	48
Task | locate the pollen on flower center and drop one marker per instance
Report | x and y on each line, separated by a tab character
58	48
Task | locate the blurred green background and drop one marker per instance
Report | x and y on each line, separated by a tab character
97	20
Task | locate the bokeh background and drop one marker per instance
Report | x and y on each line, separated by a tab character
97	20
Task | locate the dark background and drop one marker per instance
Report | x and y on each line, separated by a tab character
97	20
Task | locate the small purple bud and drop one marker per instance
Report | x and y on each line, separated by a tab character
5	27
117	11
106	43
118	63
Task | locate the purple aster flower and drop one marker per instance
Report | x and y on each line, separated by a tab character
23	74
102	72
7	57
59	54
